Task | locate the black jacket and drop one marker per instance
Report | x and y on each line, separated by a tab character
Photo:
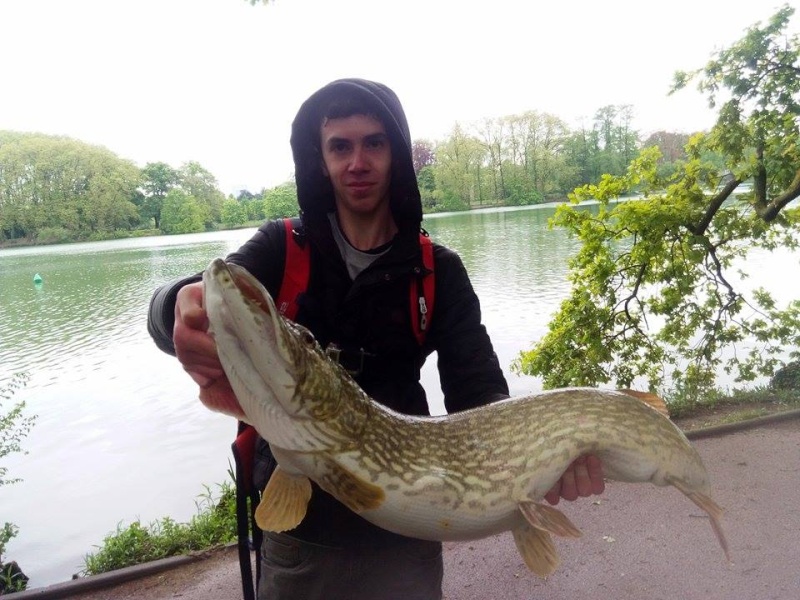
369	318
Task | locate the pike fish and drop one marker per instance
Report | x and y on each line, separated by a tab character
462	476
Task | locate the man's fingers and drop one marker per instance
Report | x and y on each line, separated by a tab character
569	483
594	467
584	477
194	317
554	495
189	309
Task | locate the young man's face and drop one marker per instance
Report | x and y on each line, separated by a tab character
357	158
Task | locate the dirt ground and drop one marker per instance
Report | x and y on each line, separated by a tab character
639	541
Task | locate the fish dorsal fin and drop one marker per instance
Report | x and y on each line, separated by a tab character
652	400
284	501
536	548
548	518
352	491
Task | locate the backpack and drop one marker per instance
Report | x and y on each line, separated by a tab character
296	271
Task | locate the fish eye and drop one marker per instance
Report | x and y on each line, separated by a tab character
306	336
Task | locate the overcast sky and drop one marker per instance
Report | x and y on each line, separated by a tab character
219	81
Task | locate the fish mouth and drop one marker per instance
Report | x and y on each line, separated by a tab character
246	312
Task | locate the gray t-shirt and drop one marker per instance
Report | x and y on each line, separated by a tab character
355	259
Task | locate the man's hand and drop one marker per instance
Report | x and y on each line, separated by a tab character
194	347
584	477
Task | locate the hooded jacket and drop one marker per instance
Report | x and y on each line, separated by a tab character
368	318
314	191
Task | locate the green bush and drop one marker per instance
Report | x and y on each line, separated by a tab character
54	235
213	525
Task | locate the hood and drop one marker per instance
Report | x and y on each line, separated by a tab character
314	191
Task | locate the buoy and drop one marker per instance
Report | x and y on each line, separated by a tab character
37	279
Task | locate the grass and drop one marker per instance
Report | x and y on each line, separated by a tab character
214	525
686	405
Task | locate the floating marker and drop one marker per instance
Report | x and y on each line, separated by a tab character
37	280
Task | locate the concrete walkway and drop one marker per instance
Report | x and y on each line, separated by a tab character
639	542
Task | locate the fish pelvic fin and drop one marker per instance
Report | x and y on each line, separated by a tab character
711	508
537	550
548	518
351	490
284	501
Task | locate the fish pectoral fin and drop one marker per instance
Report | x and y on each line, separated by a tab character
548	518
537	549
711	508
352	491
284	501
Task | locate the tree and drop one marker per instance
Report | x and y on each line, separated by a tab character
653	292
458	171
281	201
182	213
158	179
199	183
234	213
57	183
422	155
672	147
426	180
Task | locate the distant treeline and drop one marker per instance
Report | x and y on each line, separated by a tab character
57	189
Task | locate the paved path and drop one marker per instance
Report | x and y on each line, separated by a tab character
639	541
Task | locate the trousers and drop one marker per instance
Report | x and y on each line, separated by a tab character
405	569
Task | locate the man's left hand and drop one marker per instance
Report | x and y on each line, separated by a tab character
584	477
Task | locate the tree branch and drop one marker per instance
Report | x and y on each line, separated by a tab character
770	210
713	206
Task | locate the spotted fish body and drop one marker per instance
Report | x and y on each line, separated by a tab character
462	476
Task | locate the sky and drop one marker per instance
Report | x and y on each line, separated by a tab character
219	81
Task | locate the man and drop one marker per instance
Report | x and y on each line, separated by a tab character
360	215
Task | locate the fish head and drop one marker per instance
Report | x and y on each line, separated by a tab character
266	356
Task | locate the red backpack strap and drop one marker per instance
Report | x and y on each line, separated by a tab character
296	270
421	294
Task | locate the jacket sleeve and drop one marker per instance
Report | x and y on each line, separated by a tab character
263	255
469	370
161	316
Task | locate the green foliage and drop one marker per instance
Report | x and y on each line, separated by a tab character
13	425
201	185
57	182
426	180
213	525
653	294
7	533
234	213
281	201
54	235
12	579
55	189
182	213
13	429
787	378
524	159
157	180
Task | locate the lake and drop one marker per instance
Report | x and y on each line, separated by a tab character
121	435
